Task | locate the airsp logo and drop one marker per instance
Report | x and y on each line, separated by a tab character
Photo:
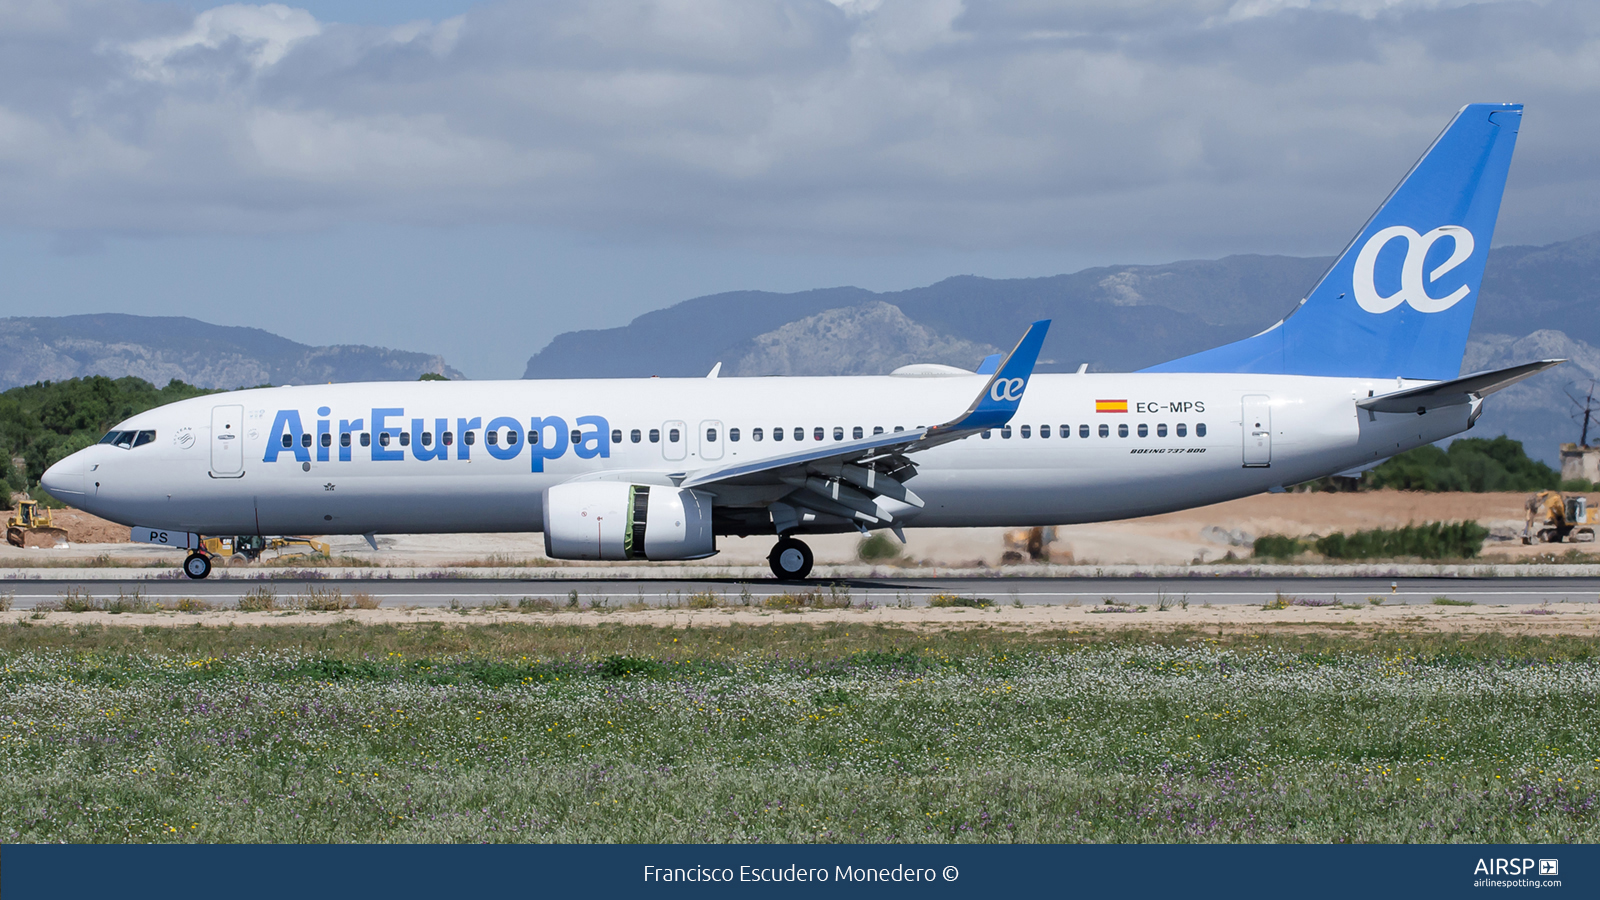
1411	288
1006	389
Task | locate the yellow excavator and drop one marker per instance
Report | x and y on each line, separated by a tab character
32	521
1560	516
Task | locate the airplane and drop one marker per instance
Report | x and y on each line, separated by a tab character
1367	365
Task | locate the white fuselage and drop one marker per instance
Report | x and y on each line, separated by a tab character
199	474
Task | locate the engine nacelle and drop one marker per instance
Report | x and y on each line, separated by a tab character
616	520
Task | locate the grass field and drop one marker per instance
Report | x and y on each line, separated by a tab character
791	733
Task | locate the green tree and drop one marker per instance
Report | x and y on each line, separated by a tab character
46	421
1469	464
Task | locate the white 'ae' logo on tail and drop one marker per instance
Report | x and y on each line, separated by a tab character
1411	290
1007	389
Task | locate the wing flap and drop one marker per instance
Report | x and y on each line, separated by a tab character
845	479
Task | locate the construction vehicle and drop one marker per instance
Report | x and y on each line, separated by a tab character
31	521
1028	544
1560	516
249	547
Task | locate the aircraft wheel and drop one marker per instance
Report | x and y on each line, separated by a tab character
790	560
197	566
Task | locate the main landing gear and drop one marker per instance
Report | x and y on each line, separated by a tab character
197	566
790	560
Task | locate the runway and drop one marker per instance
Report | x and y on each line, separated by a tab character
878	592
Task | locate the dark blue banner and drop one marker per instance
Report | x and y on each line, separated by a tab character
32	872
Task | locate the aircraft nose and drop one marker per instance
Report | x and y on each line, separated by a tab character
65	479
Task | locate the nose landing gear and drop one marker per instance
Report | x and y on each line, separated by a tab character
197	565
790	560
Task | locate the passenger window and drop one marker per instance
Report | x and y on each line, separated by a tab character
287	442
616	435
470	438
448	438
305	439
344	439
733	435
987	434
1183	430
1144	430
490	437
577	436
383	439
1005	432
755	434
511	437
711	435
800	434
327	439
1199	429
366	439
655	435
1105	430
838	433
635	436
405	438
672	436
1122	430
146	437
427	439
857	434
877	429
1027	431
818	433
1161	430
1083	431
899	428
1044	431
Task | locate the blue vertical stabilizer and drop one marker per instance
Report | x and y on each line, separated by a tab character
1399	300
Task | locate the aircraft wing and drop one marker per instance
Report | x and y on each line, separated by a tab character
1456	391
846	478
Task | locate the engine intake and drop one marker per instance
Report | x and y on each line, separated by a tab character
614	520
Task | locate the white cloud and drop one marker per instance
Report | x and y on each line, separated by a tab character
263	35
1199	125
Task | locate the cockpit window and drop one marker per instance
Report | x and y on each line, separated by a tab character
128	439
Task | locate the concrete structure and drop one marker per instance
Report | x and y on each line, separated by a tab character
1580	462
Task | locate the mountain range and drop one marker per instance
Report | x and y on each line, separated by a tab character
159	349
1537	302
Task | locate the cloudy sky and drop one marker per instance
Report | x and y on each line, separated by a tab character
474	178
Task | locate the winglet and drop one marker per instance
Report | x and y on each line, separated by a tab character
1003	393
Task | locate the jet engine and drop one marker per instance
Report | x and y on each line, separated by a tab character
616	520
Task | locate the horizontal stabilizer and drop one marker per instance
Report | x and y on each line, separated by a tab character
1455	392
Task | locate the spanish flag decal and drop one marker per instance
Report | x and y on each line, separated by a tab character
1101	406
